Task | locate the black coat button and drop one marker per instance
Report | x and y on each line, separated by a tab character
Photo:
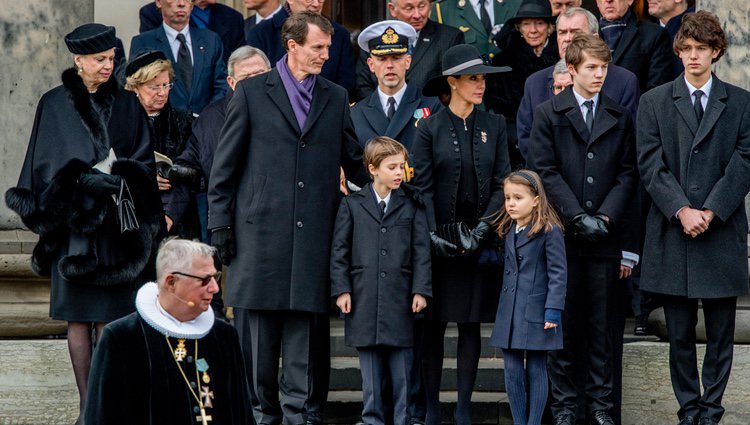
193	384
589	179
589	204
455	142
300	224
189	359
383	230
300	184
383	252
695	150
383	274
456	150
520	257
302	144
590	155
196	409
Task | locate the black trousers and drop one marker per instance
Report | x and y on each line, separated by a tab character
586	327
681	314
379	365
266	337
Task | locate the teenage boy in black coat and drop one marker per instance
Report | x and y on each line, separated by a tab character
587	163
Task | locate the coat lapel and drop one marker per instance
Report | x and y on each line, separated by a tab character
199	51
567	101
278	95
714	108
625	39
404	113
423	44
523	237
603	120
684	104
396	202
367	200
374	114
320	100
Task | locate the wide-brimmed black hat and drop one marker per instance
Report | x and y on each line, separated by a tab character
533	9
462	59
143	59
91	38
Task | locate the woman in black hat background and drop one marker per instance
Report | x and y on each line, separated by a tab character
150	76
460	158
528	44
88	120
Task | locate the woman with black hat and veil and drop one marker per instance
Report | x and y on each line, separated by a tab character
89	144
460	158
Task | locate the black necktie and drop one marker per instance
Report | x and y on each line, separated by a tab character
391	107
698	105
589	104
184	63
485	17
381	204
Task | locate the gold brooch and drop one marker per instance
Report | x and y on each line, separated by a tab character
390	36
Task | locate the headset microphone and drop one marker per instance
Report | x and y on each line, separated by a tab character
189	303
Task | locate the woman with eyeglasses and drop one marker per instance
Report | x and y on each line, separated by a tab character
88	141
150	76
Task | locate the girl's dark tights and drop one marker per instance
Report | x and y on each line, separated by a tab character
526	401
467	357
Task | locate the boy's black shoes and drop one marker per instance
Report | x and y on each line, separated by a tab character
565	419
687	420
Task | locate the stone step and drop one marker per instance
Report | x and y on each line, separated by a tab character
340	349
346	376
345	407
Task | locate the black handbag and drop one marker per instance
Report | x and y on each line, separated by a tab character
126	209
457	233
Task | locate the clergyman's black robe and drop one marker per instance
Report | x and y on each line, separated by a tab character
135	379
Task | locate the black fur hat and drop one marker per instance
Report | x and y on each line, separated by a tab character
91	38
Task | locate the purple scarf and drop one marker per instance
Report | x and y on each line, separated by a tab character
300	93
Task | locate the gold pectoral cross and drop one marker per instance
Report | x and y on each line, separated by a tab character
203	418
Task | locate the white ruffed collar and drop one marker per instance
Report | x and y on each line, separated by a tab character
147	304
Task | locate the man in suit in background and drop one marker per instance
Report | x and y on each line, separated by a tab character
694	158
207	14
640	47
620	86
264	9
560	6
584	150
670	13
196	54
339	67
427	51
273	196
479	20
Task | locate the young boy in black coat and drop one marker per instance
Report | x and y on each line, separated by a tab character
381	276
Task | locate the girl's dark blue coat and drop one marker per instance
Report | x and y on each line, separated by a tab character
534	279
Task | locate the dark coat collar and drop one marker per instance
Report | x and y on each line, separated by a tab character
95	123
607	114
278	94
684	103
366	198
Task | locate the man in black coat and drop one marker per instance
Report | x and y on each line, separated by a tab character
273	195
339	68
426	52
587	163
641	47
226	22
694	158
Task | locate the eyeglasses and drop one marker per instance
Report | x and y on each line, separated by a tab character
205	280
157	89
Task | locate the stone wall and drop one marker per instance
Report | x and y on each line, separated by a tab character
735	18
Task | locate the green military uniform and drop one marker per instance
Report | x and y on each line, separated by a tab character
460	14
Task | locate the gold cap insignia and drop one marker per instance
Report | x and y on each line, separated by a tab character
389	36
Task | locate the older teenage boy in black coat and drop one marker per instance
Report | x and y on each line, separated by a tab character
694	157
587	163
273	193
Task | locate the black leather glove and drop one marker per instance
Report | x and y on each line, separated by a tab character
441	247
99	184
182	174
476	237
223	240
589	228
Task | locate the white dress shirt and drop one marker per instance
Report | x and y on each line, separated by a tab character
259	18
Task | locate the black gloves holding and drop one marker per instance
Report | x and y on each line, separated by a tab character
589	228
441	247
223	240
182	174
477	235
99	184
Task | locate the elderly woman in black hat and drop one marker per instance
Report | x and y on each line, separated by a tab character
150	76
460	158
89	141
528	44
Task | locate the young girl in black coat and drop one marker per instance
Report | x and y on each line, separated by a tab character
533	293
